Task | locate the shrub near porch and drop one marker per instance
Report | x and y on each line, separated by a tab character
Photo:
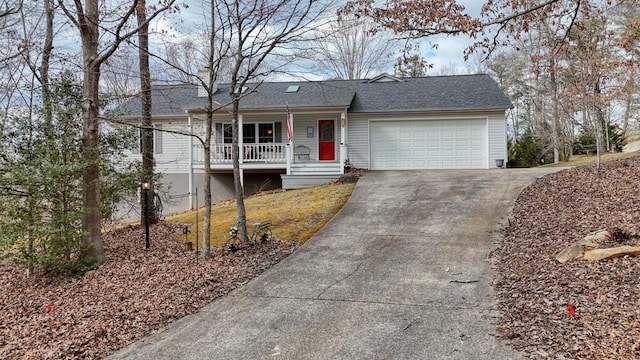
295	214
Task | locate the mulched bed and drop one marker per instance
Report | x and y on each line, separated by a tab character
135	293
534	290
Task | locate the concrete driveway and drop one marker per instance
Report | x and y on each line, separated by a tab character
400	273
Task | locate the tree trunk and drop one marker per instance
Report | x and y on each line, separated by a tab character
206	229
90	133
242	212
145	99
628	101
44	64
601	122
555	136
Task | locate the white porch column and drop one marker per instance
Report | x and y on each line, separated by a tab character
287	155
288	149
343	140
190	144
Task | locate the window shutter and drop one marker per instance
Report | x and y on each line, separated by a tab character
277	129
218	133
157	141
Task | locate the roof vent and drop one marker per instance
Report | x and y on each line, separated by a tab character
293	88
384	77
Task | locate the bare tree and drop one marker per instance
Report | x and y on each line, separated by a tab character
10	7
120	76
88	18
627	18
216	53
186	56
148	161
350	48
248	40
259	30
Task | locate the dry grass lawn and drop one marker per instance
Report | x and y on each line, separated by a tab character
581	160
296	214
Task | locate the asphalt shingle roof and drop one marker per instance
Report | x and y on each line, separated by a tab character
457	92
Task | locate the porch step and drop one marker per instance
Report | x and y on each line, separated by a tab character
304	181
310	169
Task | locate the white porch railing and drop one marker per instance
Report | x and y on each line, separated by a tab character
253	153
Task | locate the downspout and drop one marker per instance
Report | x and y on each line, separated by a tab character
343	141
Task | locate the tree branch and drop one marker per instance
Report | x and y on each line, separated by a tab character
177	132
10	10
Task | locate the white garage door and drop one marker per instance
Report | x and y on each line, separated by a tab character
446	144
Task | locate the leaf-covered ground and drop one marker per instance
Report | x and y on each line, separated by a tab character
533	289
135	293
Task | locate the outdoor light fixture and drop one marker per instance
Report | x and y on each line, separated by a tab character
146	186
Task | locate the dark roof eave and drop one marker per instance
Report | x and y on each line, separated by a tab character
154	116
429	110
277	108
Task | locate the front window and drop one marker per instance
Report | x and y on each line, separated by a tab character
227	134
265	133
248	133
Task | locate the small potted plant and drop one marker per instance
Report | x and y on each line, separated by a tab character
347	166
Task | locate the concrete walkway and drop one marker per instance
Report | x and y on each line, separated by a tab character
401	272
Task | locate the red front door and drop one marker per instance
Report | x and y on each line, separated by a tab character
327	142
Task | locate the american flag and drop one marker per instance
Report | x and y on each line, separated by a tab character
289	125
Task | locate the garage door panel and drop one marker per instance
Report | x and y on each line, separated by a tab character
447	144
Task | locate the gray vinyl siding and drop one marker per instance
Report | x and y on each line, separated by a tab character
358	141
174	154
171	151
497	127
300	124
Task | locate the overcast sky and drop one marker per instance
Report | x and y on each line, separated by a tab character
447	57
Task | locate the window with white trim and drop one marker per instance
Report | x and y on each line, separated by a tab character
265	132
157	140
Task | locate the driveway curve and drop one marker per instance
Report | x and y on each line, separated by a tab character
401	272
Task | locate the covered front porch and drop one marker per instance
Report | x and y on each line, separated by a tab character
316	152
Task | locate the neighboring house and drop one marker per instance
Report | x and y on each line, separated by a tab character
384	123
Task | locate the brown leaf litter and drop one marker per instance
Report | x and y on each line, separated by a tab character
534	290
135	293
